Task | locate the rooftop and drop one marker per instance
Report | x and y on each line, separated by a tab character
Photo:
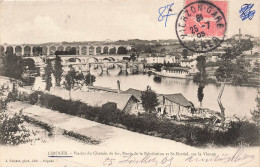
178	98
103	89
191	60
98	99
136	93
178	69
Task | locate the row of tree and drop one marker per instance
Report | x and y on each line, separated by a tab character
231	68
72	78
13	66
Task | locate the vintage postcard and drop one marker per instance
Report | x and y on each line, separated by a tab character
130	83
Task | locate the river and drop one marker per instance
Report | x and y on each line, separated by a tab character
236	99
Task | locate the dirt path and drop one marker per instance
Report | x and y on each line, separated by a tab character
114	140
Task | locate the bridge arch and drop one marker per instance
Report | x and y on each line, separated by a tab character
2	50
67	48
10	49
74	59
98	50
44	50
92	60
106	59
27	50
37	50
73	50
84	50
52	50
105	50
18	50
112	59
112	50
114	69
77	50
122	50
60	48
94	67
91	50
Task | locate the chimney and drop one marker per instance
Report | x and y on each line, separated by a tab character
118	86
239	35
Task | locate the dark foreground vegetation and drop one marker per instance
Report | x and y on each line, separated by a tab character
236	133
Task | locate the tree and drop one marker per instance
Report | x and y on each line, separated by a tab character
48	72
89	79
70	80
57	70
163	50
157	66
185	53
200	77
231	69
11	65
133	57
246	44
149	99
256	112
30	63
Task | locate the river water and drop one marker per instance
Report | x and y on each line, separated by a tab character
236	99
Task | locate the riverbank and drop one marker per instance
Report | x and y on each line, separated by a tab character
209	80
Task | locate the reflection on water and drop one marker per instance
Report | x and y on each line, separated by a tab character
237	100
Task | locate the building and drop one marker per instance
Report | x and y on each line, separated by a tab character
254	50
169	104
155	59
142	57
163	59
175	72
170	59
125	102
174	105
191	63
137	94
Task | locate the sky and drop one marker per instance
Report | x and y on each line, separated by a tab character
97	20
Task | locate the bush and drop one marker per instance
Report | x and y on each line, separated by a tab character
11	130
80	137
110	106
245	132
241	132
33	98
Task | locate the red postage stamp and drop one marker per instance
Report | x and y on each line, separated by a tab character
207	17
204	23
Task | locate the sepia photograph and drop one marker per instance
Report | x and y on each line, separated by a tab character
129	83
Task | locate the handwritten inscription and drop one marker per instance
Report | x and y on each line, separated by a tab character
246	12
134	160
238	157
165	9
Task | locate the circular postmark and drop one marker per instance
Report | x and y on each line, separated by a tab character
201	26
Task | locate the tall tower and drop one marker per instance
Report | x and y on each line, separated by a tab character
239	39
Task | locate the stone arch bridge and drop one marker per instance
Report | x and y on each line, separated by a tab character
130	67
49	49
